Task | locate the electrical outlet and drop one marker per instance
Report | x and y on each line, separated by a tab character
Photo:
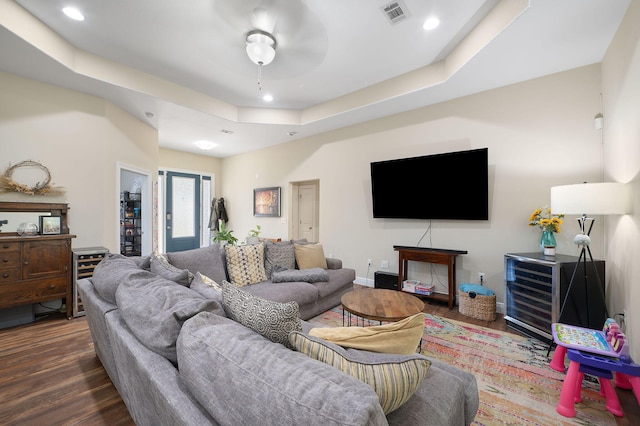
369	262
481	277
384	264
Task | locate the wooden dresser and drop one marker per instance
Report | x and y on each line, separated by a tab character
36	268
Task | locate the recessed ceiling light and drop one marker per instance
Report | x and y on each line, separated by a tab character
204	145
431	23
73	13
267	98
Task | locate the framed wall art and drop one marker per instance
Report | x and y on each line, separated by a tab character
266	202
50	225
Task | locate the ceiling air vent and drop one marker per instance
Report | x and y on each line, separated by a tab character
395	11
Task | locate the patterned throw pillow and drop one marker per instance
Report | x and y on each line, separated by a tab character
245	264
394	378
272	320
278	254
161	266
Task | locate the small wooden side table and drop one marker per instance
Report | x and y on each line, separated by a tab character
430	255
380	305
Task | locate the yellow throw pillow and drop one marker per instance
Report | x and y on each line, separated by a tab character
394	378
310	256
402	337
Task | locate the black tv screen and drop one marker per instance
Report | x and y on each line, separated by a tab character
454	186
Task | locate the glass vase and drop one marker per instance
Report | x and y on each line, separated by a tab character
548	243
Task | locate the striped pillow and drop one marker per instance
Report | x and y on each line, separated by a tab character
394	378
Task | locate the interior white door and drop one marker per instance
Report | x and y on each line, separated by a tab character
307	213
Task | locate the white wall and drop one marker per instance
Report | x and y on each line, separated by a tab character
621	96
539	134
80	139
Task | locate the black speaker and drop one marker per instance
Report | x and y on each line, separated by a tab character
387	280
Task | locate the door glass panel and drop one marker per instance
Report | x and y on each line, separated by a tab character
206	211
183	193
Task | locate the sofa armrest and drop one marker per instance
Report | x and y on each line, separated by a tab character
333	263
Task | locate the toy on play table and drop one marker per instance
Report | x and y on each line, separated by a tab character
596	352
608	342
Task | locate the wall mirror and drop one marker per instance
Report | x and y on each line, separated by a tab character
16	213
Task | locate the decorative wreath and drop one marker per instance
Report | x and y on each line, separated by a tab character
7	184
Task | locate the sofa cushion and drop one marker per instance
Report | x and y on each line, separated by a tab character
273	320
155	308
312	275
245	264
455	403
210	261
161	266
310	256
207	287
401	337
240	377
300	292
337	280
110	272
279	253
394	378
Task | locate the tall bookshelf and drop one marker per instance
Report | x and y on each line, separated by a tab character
130	223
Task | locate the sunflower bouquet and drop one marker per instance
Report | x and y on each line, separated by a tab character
545	220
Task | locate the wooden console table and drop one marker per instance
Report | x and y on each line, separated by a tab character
430	255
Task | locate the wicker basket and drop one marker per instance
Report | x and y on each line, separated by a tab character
478	307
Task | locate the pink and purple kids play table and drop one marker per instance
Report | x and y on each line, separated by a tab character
590	352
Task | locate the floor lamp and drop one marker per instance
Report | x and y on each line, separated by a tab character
593	199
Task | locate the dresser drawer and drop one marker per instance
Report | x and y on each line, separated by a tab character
31	291
9	275
9	246
9	260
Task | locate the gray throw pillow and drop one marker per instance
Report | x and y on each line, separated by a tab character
311	275
272	320
207	287
162	267
155	309
209	261
278	254
110	273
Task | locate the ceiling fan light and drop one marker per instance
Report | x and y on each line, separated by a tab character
261	47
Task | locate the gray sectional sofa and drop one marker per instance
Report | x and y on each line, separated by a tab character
177	358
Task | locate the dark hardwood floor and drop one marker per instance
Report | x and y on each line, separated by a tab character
49	374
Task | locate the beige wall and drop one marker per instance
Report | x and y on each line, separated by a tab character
621	141
80	139
539	133
184	161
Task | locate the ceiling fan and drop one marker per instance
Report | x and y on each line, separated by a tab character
296	35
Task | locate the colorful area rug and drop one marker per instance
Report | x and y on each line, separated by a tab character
515	382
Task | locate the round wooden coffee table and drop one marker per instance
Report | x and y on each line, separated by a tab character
379	304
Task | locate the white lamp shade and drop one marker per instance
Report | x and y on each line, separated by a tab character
591	198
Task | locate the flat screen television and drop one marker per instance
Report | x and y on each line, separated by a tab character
453	186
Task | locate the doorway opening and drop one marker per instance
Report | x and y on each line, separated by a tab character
305	210
133	180
184	202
